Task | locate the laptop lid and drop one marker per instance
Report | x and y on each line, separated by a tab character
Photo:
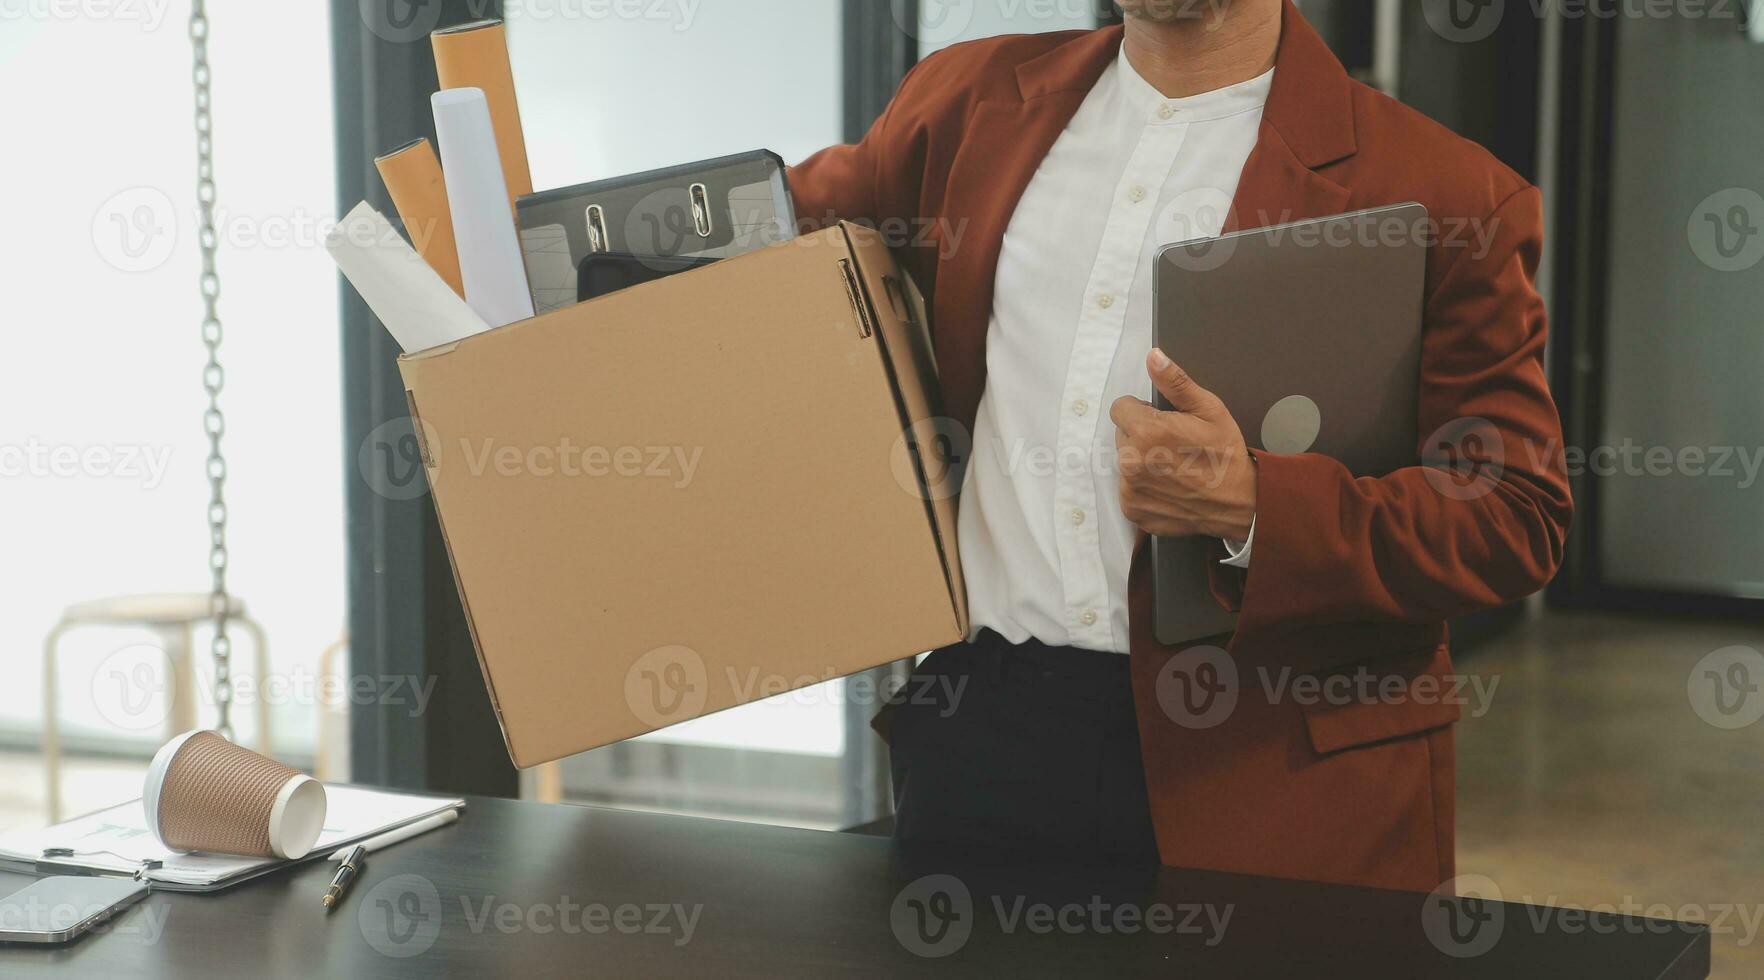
1311	334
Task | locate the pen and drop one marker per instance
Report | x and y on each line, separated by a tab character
353	859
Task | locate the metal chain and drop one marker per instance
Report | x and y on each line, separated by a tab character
213	376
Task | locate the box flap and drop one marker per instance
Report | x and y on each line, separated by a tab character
935	446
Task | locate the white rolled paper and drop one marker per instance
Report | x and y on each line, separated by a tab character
483	225
416	305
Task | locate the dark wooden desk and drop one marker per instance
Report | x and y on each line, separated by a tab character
526	890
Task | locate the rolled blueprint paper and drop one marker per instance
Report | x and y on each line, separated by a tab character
417	307
413	177
483	225
475	55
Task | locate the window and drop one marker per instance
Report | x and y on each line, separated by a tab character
102	450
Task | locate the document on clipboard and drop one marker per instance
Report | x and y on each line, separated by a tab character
116	842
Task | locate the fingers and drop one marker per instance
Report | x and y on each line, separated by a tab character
1182	391
1130	413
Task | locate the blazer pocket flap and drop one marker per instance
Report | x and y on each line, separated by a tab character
1381	700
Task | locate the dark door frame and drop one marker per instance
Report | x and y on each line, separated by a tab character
405	621
1581	318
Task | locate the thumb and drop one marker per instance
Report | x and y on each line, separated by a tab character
1183	393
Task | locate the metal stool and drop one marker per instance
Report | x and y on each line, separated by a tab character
173	618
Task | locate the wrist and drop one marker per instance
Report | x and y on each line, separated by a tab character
1236	516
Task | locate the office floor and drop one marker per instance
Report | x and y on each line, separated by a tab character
1592	780
1588	781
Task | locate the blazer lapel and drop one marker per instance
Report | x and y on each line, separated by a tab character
1276	188
1307	125
1002	148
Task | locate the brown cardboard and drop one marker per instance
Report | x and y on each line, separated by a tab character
803	546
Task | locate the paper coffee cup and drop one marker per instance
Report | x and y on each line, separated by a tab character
204	793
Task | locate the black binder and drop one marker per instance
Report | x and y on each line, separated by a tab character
713	209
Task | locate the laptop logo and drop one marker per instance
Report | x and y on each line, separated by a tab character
1292	426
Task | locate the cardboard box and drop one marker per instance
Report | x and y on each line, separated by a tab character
693	493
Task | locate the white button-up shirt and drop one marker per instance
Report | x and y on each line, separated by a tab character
1045	548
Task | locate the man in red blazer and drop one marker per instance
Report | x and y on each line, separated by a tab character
1028	180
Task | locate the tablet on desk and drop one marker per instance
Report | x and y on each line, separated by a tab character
1311	334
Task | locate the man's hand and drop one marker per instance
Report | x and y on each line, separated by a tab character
1185	472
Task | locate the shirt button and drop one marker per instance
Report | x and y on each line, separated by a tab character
1080	407
1089	617
1166	112
1106	300
1136	194
1077	516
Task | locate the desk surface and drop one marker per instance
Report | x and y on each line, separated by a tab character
523	889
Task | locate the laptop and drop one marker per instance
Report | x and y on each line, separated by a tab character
1311	334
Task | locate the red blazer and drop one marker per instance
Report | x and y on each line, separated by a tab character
1350	576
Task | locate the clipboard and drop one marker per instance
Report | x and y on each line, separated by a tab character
115	843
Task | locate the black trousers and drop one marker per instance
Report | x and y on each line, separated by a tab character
1027	748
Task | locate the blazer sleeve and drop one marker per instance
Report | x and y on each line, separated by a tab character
874	181
1481	523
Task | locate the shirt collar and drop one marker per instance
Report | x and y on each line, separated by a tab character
1217	104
